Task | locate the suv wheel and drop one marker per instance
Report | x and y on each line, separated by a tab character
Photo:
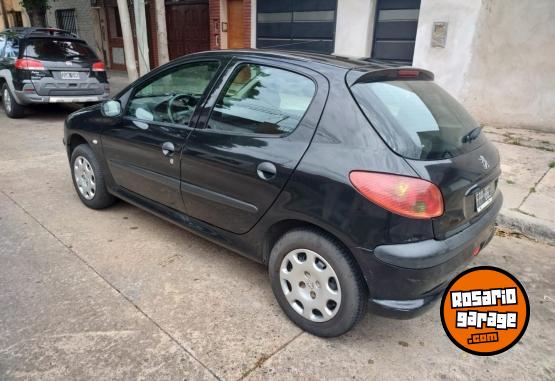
11	107
88	178
317	283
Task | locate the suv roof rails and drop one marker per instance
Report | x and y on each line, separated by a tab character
30	31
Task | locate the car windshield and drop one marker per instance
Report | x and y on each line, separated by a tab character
418	119
49	49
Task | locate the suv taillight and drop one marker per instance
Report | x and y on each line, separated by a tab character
98	66
28	64
407	196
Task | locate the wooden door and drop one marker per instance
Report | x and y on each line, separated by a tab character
188	25
235	24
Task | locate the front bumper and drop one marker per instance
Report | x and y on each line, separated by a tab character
404	279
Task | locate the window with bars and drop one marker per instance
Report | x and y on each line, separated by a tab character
66	20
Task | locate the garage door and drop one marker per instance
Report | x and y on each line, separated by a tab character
395	31
307	25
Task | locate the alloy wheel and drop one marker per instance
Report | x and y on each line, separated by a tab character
84	177
310	285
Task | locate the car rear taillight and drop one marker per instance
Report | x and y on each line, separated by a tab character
28	64
407	196
98	66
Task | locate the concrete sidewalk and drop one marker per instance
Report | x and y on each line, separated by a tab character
527	181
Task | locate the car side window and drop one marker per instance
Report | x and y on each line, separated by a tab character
262	100
173	97
12	48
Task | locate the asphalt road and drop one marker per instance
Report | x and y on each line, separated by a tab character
121	294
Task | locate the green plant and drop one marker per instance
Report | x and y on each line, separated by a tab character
552	164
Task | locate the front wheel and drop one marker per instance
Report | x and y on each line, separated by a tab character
11	107
317	282
89	179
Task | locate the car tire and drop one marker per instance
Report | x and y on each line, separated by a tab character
325	293
88	177
12	109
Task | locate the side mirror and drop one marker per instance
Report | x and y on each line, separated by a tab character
111	108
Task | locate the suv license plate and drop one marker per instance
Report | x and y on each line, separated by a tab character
69	75
485	196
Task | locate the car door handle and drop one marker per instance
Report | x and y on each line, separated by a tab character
266	170
168	148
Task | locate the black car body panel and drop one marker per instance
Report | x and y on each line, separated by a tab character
212	188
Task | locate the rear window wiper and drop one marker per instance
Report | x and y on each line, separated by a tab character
472	135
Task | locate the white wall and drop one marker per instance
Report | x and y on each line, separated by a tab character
511	77
499	59
449	64
354	27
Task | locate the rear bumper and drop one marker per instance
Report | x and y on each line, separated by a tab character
404	279
25	98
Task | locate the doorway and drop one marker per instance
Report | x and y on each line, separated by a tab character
235	31
395	30
188	26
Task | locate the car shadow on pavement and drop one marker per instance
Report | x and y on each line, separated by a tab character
51	112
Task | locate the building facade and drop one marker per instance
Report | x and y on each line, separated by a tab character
76	16
495	56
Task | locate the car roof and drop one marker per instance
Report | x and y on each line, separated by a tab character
25	32
307	57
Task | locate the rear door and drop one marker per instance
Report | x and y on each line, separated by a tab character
143	147
252	133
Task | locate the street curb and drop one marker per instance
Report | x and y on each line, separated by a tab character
526	225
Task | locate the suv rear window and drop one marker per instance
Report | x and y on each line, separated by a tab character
49	49
418	119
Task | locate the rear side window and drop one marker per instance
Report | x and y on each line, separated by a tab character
12	48
418	119
49	49
262	100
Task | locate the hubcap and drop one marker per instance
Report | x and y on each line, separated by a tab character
7	100
310	285
84	177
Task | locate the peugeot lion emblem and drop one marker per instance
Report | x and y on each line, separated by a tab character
484	162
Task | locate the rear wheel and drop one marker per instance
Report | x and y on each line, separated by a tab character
317	282
11	107
88	178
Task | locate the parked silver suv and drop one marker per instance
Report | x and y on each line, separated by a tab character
45	65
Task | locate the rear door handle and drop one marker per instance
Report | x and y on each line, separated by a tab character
168	148
266	170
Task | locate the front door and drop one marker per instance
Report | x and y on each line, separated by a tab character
235	24
250	137
143	147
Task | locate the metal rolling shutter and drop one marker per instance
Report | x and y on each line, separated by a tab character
307	25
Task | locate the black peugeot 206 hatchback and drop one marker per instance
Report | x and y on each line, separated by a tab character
357	183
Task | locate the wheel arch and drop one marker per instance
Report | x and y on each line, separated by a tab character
74	141
280	228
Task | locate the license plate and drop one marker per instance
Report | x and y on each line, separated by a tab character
69	75
485	196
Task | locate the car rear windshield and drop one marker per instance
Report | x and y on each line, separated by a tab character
49	49
418	119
